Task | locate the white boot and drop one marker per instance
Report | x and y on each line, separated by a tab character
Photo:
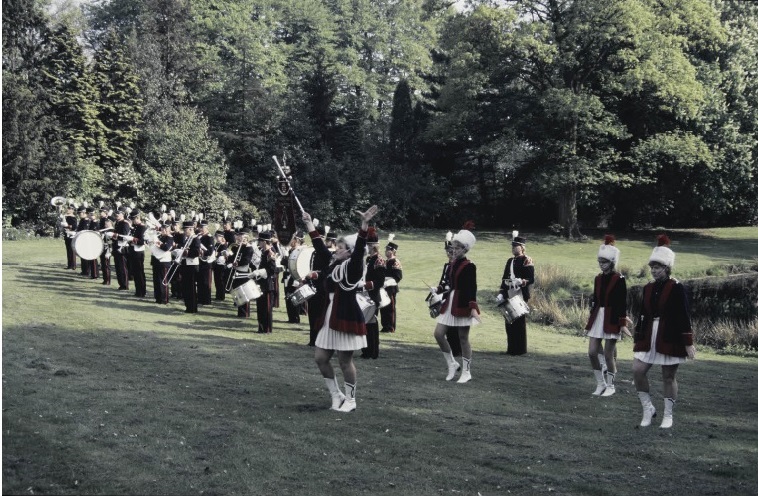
668	413
600	382
452	365
349	404
610	388
334	390
603	365
648	410
466	373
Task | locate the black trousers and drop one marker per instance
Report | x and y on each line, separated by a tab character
372	341
388	315
516	333
105	266
70	255
159	272
122	269
204	283
189	291
293	311
219	280
265	310
137	267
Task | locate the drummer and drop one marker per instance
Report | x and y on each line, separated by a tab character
288	279
161	262
69	225
517	277
83	225
238	262
394	273
267	277
219	266
105	223
374	281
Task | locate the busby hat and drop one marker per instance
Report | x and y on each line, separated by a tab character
465	236
518	240
188	224
608	249
662	254
372	237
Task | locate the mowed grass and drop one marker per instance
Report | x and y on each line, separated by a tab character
104	393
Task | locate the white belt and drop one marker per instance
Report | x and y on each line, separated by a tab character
192	261
139	248
389	281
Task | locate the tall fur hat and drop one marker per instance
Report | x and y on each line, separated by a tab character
465	236
662	254
608	249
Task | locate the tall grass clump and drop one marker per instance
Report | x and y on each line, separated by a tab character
558	300
720	334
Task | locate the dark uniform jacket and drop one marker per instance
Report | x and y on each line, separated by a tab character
521	271
666	301
609	293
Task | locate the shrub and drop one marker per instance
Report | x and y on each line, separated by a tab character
551	278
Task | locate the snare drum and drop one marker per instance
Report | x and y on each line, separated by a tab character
514	308
300	261
368	307
435	304
246	293
88	245
302	294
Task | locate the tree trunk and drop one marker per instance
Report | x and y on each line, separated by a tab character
567	216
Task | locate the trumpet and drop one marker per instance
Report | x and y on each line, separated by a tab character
171	272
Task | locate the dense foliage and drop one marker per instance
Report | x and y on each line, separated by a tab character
512	113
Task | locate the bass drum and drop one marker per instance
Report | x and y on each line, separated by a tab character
300	261
88	245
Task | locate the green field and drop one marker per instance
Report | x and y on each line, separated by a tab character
104	393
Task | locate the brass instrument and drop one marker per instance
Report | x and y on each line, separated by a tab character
232	273
171	272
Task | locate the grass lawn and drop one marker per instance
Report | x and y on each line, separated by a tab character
104	393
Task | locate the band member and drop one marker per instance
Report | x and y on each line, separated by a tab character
517	277
83	225
238	263
374	281
452	332
136	254
394	275
160	261
205	271
267	276
219	266
607	316
293	311
331	239
318	302
342	326
280	256
120	248
460	309
663	335
105	223
189	266
229	234
69	224
94	272
178	235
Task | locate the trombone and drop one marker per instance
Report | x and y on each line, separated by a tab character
171	272
233	271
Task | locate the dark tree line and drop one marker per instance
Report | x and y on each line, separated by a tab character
529	112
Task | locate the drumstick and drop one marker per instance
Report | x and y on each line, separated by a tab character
302	210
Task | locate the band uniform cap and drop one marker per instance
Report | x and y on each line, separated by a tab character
203	222
104	209
466	238
299	235
264	236
219	233
518	241
134	213
112	218
90	210
332	235
81	209
188	224
392	246
166	225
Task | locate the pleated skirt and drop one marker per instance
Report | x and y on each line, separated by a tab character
655	358
329	339
447	318
597	330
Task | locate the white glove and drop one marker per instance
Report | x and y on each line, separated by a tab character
221	260
259	274
499	298
296	284
229	266
516	283
432	290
